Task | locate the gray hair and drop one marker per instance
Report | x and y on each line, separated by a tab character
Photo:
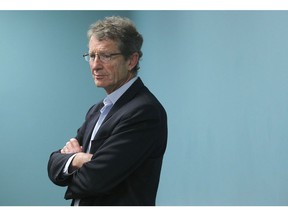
123	31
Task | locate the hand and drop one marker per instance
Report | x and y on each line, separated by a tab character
79	159
72	146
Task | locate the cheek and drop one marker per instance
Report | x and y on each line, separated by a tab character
116	72
111	73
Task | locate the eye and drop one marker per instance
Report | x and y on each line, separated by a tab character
104	56
92	56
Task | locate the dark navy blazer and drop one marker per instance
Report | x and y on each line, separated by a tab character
127	153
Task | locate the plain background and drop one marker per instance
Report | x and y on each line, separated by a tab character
221	75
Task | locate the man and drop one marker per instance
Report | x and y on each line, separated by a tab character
116	157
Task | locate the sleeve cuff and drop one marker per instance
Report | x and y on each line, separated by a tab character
66	168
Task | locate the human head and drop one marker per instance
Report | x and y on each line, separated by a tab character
123	31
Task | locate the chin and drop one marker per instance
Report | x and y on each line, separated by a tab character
99	84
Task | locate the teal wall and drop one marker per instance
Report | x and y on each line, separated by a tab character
221	75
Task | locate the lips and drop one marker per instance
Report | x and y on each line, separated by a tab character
99	76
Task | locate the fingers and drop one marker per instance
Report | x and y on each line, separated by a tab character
72	146
73	142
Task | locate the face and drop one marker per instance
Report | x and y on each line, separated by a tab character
112	74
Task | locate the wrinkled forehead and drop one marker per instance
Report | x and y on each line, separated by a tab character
102	45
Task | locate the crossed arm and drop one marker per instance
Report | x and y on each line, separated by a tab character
73	146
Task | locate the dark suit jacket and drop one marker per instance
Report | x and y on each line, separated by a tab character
127	153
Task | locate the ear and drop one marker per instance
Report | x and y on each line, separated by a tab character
133	60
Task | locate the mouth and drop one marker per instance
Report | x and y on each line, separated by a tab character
99	76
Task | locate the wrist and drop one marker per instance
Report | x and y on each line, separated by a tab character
79	159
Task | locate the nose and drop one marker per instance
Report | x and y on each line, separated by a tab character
96	64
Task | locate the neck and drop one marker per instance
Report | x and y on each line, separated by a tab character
129	77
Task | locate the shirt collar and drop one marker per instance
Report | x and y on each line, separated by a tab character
114	96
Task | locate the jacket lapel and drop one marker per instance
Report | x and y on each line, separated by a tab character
91	125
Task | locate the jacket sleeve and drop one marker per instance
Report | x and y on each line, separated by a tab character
56	166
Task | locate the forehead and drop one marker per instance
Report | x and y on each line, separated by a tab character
102	45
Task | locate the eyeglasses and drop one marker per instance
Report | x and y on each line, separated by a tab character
103	57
